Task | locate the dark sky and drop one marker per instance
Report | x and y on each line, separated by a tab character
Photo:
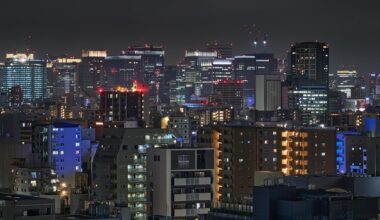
351	27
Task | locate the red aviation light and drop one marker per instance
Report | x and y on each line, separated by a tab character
100	90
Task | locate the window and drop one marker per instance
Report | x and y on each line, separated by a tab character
77	152
62	152
55	152
156	157
77	144
183	161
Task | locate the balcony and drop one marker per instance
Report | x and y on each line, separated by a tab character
137	170
190	212
137	179
136	199
192	197
192	181
136	189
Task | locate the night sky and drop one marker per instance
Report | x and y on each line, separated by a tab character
351	27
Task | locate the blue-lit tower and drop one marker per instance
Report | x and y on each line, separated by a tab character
30	74
65	150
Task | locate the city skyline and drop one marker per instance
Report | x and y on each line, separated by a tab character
68	27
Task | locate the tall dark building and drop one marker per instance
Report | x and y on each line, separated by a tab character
266	63
123	70
152	63
91	72
123	105
63	79
229	92
223	50
308	81
309	62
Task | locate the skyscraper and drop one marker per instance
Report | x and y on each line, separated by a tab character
152	63
346	79
91	72
223	50
195	71
122	105
64	79
309	62
308	81
30	74
123	70
268	92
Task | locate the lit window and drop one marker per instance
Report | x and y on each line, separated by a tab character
77	144
323	154
55	152
77	152
33	183
62	152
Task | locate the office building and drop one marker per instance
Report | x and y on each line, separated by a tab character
182	182
346	79
123	71
268	92
152	66
244	68
222	69
28	73
91	74
15	96
64	79
309	62
230	93
266	63
223	50
308	81
195	71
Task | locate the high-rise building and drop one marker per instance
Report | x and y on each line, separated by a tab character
64	79
230	93
308	81
58	146
346	79
152	66
244	68
222	70
91	73
123	105
309	62
123	70
30	74
268	92
120	166
223	50
312	101
195	71
266	63
182	182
